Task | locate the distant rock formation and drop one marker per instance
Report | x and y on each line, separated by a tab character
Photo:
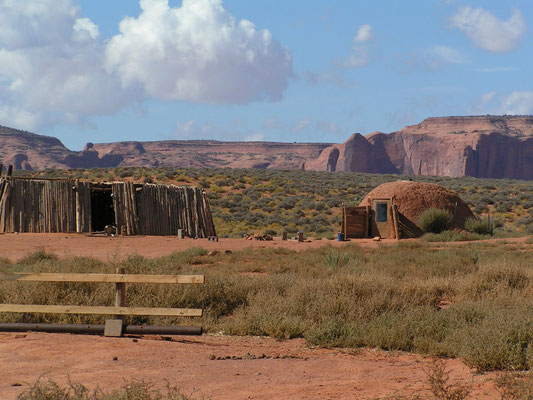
480	146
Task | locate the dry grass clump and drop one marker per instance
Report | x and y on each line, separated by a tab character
472	301
441	387
515	386
132	390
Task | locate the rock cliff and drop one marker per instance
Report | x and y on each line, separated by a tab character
480	146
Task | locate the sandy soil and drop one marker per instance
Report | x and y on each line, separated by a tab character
281	370
16	246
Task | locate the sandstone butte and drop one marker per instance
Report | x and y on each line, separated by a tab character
480	146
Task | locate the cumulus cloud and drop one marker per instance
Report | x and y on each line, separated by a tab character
514	103
487	31
364	34
359	55
235	130
52	66
198	52
445	54
192	130
433	58
255	137
328	126
301	125
55	67
358	58
517	103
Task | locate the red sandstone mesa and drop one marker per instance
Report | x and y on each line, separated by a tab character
480	146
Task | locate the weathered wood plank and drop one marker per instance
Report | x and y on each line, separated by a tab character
101	310
101	278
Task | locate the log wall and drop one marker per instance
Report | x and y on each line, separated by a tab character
40	206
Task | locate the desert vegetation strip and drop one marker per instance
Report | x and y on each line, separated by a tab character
472	301
244	201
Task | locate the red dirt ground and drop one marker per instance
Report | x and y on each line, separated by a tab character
290	370
16	246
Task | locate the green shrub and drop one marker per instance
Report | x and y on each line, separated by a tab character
334	259
482	226
435	220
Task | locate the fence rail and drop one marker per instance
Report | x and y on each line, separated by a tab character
120	279
101	278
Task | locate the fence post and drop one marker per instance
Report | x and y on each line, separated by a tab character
120	297
115	327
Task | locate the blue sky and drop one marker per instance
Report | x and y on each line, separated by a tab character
298	70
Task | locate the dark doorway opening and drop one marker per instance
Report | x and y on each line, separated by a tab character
102	210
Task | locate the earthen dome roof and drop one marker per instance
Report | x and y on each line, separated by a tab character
413	198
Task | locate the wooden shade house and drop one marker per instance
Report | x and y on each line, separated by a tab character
62	205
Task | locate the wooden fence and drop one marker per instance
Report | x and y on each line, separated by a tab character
120	279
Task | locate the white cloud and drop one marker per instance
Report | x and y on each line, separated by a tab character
364	34
433	58
359	55
328	126
255	137
85	29
301	125
52	66
56	68
487	31
358	58
192	130
272	123
198	52
446	55
487	97
514	103
517	103
496	69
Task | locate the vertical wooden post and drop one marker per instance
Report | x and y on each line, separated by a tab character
396	221
344	227
10	170
284	235
120	292
300	236
368	221
115	327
